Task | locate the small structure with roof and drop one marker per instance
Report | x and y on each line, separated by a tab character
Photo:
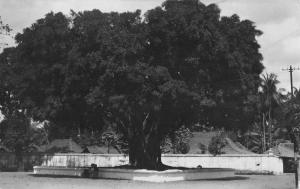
286	152
203	139
62	146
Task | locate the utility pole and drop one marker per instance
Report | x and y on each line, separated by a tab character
296	148
291	69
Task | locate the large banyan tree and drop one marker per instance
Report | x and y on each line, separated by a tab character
146	76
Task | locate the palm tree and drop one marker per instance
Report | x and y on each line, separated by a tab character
270	98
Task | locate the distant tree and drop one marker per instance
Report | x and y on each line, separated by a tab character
19	135
266	126
9	104
290	119
270	98
110	139
5	30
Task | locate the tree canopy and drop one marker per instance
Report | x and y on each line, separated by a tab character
182	64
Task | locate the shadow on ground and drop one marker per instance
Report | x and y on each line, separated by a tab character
224	179
54	176
212	179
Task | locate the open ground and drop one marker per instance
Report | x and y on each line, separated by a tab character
25	180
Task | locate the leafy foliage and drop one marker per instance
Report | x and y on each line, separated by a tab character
18	135
217	143
211	54
183	64
110	139
4	28
263	130
178	141
290	119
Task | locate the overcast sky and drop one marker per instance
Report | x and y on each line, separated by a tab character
278	19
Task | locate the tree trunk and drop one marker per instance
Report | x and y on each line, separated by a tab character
144	145
145	153
264	133
19	156
144	140
270	128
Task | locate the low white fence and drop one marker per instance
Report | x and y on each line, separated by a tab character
249	162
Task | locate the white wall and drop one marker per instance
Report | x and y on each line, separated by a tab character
257	163
250	162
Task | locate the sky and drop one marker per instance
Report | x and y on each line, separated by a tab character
279	20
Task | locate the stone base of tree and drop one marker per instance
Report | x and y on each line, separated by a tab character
137	174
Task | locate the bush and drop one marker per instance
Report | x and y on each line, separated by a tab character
202	147
183	148
178	142
216	144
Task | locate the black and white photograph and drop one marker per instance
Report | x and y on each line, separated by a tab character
134	94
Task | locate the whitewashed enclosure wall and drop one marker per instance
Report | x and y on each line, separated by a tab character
251	162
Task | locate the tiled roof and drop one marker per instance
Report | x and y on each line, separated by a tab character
284	150
62	145
204	138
